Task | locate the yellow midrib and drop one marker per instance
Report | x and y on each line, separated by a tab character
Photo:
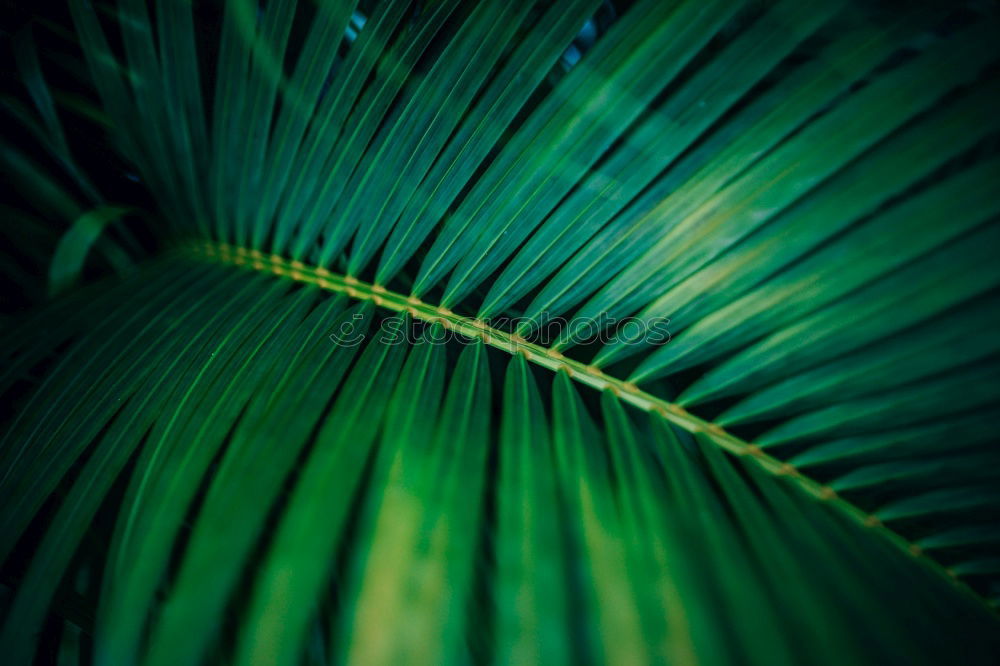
557	362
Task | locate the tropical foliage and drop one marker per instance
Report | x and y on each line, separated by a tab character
345	352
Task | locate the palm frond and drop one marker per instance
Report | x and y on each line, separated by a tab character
330	422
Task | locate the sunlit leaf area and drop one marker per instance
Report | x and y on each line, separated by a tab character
500	332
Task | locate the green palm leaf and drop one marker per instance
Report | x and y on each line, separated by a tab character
504	331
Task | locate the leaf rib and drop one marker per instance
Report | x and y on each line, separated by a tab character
580	372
